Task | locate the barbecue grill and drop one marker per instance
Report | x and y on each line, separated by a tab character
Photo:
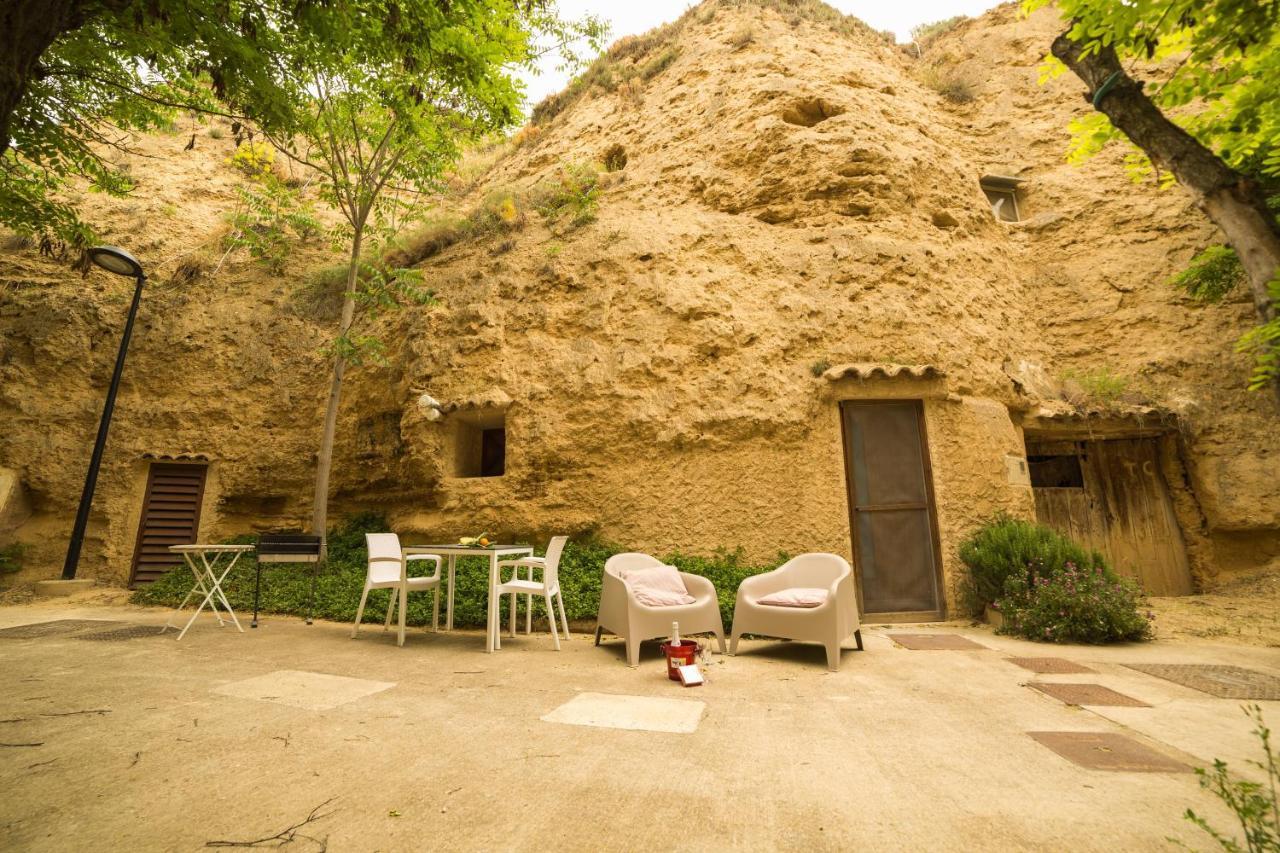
286	548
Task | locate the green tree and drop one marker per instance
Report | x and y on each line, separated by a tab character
381	136
76	76
1203	109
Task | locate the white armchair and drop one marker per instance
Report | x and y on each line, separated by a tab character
624	616
829	623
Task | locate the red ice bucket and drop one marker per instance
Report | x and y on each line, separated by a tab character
680	655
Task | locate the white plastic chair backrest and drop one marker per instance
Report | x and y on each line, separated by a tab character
551	572
815	570
619	564
383	548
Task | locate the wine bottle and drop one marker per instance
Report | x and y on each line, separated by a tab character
675	634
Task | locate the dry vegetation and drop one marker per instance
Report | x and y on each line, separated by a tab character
566	201
634	60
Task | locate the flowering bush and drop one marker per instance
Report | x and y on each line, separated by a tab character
1007	547
1075	604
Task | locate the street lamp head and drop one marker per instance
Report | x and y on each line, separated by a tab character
116	260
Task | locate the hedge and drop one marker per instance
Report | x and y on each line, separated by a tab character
285	588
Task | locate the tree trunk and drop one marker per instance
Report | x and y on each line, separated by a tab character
1234	202
324	460
27	29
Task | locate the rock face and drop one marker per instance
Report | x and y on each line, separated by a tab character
796	208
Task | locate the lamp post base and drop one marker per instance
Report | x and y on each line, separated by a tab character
61	588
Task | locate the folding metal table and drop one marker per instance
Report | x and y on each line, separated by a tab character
209	577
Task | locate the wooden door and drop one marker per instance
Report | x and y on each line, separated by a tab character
170	516
1118	503
891	508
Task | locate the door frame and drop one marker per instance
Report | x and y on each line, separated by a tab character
152	466
931	506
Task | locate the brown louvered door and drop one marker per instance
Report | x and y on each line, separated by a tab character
170	516
891	509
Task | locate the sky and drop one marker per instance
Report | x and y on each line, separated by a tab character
631	17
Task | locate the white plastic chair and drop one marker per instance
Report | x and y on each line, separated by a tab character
548	588
389	569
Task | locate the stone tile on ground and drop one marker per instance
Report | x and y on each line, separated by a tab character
1050	666
313	691
36	630
637	713
1226	682
1108	751
1086	694
129	632
935	642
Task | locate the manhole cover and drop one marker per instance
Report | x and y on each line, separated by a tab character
1227	682
1050	666
1108	751
57	626
934	642
1084	694
130	632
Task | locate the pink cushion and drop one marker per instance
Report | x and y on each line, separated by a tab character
796	596
658	586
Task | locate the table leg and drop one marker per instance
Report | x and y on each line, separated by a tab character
257	589
492	622
208	598
217	587
311	599
168	623
448	618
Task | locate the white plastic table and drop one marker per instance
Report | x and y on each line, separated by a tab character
208	580
494	553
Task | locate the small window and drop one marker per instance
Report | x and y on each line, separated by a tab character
1002	195
493	452
479	440
1056	472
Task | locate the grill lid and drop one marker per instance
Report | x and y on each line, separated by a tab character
288	543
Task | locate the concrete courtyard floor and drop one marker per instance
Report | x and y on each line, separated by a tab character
152	744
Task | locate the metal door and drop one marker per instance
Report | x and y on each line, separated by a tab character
891	508
170	516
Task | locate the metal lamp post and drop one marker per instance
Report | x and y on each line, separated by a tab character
120	262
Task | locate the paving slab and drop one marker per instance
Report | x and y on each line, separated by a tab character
129	632
637	713
36	630
1086	694
1224	681
1108	751
895	751
1051	666
935	642
314	691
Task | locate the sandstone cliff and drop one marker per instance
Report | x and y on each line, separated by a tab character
794	198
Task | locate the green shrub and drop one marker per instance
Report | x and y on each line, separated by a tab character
270	215
1211	275
1098	386
925	34
659	63
11	558
1007	548
615	158
1073	605
570	198
285	588
949	84
726	569
1255	805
